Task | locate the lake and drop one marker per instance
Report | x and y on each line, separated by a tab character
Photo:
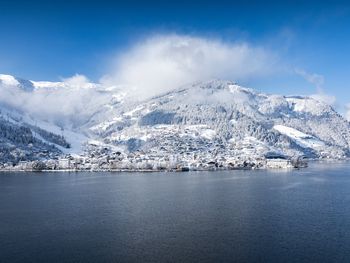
224	216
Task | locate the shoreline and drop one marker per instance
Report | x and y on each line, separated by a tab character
180	170
285	166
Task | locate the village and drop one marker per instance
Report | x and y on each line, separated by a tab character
175	156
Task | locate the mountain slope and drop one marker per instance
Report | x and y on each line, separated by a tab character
203	121
225	113
19	142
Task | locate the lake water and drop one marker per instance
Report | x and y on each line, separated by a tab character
242	216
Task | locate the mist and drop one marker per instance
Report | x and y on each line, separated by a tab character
150	67
317	81
162	63
69	105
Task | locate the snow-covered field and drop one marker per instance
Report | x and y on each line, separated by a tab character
299	137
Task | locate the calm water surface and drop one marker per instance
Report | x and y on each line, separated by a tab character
241	216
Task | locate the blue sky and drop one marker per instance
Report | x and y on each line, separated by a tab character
48	40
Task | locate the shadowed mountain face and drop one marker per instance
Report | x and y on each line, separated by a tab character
19	142
214	116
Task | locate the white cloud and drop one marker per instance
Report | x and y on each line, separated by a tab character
326	98
164	62
313	78
317	81
8	80
78	81
70	102
156	65
153	66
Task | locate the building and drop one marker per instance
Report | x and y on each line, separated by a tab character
64	163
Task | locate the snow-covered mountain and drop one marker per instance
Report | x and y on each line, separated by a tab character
227	114
213	118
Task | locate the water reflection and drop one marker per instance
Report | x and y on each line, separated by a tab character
260	216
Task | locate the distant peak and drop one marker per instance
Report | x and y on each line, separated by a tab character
9	80
218	84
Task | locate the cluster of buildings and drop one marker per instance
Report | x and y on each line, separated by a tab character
147	162
169	154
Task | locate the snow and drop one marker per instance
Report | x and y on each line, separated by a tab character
208	134
233	88
303	139
62	84
102	144
118	96
208	115
75	139
103	126
48	84
8	80
131	113
146	133
307	105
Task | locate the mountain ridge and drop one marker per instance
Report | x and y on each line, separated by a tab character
212	118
